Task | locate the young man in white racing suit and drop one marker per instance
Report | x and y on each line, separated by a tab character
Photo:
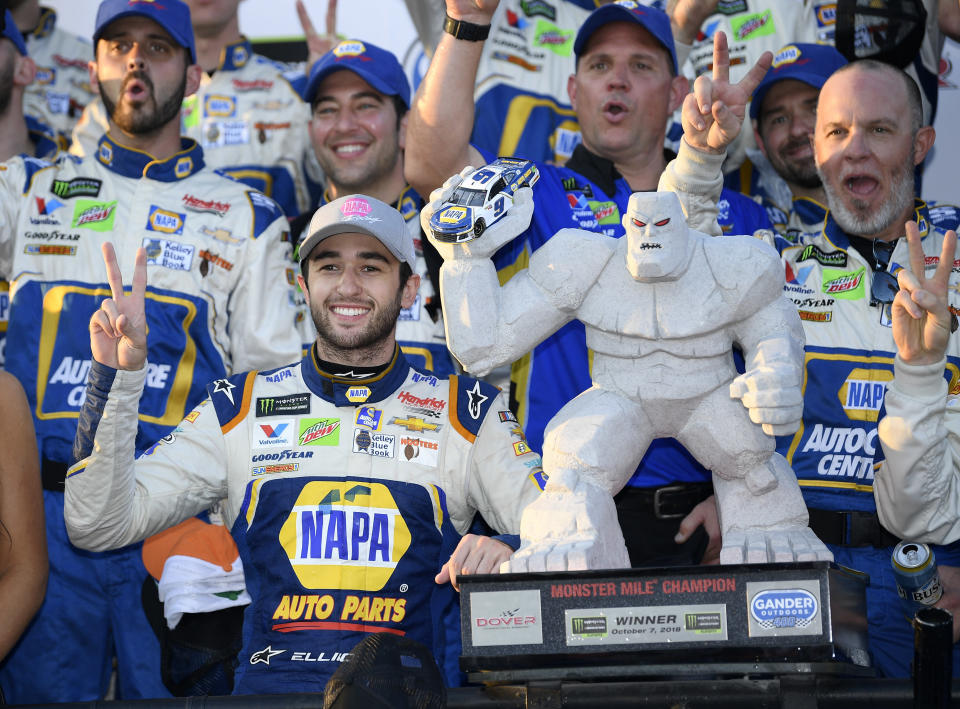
348	477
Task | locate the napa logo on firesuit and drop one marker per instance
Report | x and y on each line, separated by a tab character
344	534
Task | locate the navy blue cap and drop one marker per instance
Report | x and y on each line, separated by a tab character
172	15
376	66
651	19
11	32
810	63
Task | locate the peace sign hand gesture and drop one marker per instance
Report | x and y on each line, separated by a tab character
714	111
118	330
922	321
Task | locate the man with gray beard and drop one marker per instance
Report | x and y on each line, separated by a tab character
867	140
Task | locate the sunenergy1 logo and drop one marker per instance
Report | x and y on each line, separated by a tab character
344	534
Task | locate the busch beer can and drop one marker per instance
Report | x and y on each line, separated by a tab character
918	581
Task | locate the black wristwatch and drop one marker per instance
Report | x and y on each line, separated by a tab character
466	30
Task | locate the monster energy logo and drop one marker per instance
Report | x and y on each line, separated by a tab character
283	405
589	627
532	8
824	258
77	187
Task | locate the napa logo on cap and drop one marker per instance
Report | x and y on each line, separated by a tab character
349	49
356	207
344	534
787	55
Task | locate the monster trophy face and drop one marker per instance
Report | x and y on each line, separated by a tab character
658	240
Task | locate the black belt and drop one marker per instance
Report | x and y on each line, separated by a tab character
851	529
670	501
52	474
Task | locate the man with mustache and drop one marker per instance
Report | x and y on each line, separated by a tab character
221	300
246	115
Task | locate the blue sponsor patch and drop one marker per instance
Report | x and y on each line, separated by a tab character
165	220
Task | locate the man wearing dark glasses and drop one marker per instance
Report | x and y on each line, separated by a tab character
867	140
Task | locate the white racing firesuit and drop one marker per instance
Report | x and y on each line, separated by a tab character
219	299
917	489
61	88
250	122
345	498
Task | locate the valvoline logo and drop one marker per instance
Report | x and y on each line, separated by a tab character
773	604
344	534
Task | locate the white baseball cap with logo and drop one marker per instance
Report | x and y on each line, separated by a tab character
360	214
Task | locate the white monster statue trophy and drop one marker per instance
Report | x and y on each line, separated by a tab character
662	307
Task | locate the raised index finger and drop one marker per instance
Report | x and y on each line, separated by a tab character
721	58
114	277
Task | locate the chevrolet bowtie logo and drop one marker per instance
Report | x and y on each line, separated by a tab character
415	424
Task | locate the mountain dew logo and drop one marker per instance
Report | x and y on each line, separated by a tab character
319	432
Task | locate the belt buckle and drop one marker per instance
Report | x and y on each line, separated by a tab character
656	502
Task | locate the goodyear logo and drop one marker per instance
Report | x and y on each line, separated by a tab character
862	393
349	49
787	55
219	106
165	221
452	215
344	534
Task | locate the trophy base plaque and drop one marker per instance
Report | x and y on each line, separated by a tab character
704	621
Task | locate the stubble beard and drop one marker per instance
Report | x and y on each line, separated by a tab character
803	173
148	117
862	220
352	345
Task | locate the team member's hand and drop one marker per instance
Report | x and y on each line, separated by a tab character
921	318
479	12
713	113
704	514
118	330
475	554
950	600
318	44
687	16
